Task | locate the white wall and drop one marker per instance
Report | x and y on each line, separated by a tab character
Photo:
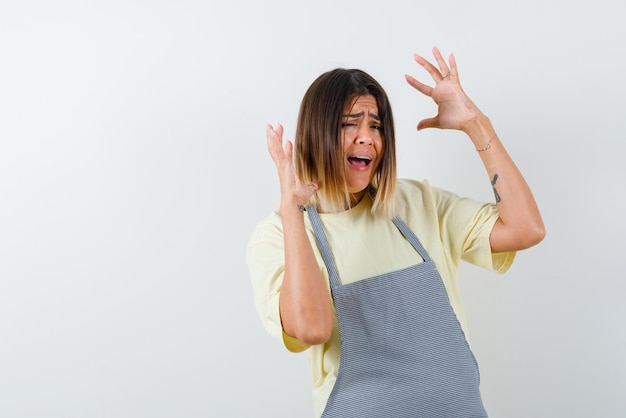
133	168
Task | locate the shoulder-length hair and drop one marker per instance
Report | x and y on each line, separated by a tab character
319	145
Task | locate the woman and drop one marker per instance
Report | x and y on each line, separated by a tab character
360	268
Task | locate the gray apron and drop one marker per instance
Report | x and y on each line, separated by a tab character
403	352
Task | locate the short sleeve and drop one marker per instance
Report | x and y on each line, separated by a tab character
465	227
266	264
477	247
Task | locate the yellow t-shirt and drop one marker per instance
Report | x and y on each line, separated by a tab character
449	227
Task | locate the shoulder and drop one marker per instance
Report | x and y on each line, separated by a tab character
419	202
408	190
413	193
411	185
411	188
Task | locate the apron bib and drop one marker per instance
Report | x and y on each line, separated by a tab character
403	352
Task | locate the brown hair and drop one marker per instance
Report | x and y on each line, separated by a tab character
319	147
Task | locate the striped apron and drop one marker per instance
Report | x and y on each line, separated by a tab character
403	352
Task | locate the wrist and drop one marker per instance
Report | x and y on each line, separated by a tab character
478	127
290	208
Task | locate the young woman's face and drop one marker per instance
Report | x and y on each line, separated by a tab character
363	143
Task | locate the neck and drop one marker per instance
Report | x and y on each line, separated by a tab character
355	198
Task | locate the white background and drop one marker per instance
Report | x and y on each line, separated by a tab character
133	167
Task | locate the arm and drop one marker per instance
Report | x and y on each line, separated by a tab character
520	225
304	302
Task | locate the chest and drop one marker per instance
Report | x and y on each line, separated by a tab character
369	249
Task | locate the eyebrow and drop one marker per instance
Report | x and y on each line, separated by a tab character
358	115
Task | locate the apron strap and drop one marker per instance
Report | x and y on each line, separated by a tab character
322	241
411	237
327	254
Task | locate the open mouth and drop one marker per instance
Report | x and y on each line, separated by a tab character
359	161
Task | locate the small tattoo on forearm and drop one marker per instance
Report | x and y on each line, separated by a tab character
495	192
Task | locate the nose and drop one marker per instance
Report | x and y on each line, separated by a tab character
364	136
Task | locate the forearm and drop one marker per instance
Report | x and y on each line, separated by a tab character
520	225
305	305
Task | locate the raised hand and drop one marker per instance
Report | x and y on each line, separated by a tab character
292	190
455	109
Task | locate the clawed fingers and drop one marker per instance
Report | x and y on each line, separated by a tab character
419	86
454	75
275	142
432	70
444	72
273	134
443	67
282	154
